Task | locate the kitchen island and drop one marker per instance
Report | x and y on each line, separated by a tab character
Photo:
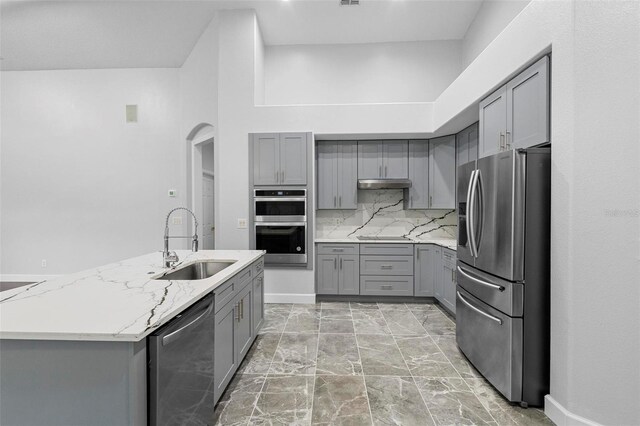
73	349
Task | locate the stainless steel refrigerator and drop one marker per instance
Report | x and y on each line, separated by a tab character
502	300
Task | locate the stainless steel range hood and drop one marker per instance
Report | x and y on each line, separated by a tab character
384	183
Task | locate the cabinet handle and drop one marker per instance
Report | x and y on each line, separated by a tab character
335	263
452	275
340	201
418	254
386	266
430	200
338	250
386	287
340	263
411	200
238	311
385	171
501	143
276	176
282	181
242	308
508	145
379	171
334	201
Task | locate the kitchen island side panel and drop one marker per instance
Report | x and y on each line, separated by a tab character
72	383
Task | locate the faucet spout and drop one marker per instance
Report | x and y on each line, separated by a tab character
171	258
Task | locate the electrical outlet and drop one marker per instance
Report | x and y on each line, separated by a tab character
172	193
336	221
242	223
176	220
44	263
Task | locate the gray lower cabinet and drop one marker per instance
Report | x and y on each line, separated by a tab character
437	263
417	197
425	270
237	322
337	168
448	279
383	159
279	158
517	114
338	274
386	285
442	172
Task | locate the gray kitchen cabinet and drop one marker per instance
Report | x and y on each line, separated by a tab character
442	172
386	265
226	348
467	145
280	158
371	285
417	197
383	159
338	274
258	303
337	168
517	114
448	279
244	327
528	107
425	270
437	281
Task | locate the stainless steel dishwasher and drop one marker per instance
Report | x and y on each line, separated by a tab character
180	374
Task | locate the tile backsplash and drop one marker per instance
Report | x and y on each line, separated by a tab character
380	212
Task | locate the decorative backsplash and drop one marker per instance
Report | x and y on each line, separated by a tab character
381	213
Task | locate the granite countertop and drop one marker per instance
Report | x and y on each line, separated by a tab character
450	243
116	302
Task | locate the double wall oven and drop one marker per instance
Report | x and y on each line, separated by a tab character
281	225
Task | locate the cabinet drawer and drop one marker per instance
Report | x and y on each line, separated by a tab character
338	248
244	277
225	293
258	267
449	256
387	249
386	286
386	265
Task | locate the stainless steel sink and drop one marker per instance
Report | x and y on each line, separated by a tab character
198	271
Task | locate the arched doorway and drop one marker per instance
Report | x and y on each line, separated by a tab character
200	181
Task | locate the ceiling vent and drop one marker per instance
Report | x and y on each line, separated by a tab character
349	2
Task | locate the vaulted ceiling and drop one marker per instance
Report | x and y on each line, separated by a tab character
137	34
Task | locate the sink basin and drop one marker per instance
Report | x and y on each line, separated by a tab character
198	271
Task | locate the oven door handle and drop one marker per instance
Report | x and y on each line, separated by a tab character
279	199
281	224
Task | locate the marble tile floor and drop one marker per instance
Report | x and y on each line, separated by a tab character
336	363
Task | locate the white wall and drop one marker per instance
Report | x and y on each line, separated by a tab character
360	73
492	17
80	186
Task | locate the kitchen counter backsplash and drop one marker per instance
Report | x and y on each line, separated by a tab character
380	213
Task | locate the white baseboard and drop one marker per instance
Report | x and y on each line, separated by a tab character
25	278
563	417
289	298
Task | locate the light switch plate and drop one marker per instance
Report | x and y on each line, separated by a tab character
172	193
242	223
177	220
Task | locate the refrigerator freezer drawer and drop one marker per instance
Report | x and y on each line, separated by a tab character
492	341
502	295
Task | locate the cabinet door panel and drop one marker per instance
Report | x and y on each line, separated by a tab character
327	274
327	153
419	175
462	147
472	142
442	173
225	348
424	270
244	327
437	268
493	123
395	160
347	183
349	275
258	303
266	159
449	286
528	106
369	159
293	158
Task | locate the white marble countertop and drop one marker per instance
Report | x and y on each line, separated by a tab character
450	243
116	302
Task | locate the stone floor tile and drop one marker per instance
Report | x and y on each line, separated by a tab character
258	360
238	401
364	305
380	356
424	358
385	306
296	354
396	401
369	321
435	322
340	400
303	320
449	347
335	305
284	400
402	322
338	354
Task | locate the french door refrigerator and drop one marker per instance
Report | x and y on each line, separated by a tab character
502	295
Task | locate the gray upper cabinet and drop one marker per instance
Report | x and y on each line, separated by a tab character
442	172
395	159
280	158
383	159
425	270
467	145
337	168
417	197
517	114
493	123
528	107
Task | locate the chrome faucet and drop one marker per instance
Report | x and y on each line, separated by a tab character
170	258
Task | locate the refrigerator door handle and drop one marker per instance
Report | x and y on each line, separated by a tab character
480	311
480	201
470	213
479	281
